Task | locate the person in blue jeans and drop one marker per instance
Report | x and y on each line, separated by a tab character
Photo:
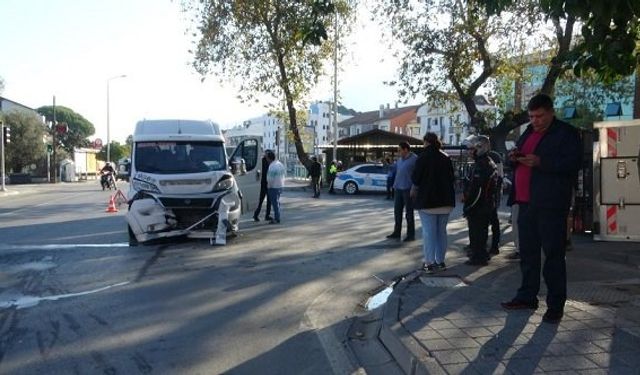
275	183
434	198
402	185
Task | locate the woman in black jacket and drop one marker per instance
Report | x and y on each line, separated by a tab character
434	198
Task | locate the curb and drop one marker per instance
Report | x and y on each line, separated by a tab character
382	344
412	358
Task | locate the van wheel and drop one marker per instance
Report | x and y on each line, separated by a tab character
133	241
351	188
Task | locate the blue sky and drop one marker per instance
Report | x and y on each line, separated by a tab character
69	48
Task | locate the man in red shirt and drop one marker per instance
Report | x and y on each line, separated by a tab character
546	162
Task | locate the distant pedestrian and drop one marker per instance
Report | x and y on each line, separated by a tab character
495	220
263	191
479	200
402	185
275	183
315	170
333	171
547	160
390	165
434	198
515	209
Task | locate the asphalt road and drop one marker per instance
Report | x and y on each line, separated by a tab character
277	299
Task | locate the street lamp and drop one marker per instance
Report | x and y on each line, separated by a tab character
108	127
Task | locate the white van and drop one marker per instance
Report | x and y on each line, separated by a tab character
182	183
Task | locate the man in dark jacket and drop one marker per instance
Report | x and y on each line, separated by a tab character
314	172
263	191
547	160
479	200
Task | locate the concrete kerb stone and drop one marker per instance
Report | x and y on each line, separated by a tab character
409	355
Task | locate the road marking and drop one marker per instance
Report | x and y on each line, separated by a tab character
21	302
62	246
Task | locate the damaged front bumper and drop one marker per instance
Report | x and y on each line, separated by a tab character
210	216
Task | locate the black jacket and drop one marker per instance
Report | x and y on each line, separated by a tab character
315	169
560	152
480	189
433	175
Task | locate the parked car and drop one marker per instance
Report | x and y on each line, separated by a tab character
363	177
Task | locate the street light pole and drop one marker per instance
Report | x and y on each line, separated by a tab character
108	125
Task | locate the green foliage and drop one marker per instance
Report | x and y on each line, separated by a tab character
610	33
271	47
451	48
27	146
118	151
79	127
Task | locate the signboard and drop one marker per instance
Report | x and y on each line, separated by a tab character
97	143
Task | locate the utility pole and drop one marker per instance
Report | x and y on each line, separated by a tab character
335	90
54	130
3	147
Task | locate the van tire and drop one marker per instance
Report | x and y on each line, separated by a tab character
133	241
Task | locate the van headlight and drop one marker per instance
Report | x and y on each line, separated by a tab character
225	183
140	185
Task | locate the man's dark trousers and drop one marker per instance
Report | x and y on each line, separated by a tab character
402	200
546	229
478	221
495	229
315	184
263	194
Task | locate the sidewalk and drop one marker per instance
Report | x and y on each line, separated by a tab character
452	322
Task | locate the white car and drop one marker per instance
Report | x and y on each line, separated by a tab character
363	177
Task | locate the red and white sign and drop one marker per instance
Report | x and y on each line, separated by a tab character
97	143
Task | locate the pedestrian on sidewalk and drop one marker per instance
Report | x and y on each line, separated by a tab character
263	191
275	183
390	165
434	198
333	171
315	170
479	200
495	220
402	185
546	160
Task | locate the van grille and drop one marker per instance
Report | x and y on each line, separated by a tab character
187	202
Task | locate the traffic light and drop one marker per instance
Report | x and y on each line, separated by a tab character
7	135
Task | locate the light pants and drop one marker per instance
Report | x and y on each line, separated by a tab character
434	236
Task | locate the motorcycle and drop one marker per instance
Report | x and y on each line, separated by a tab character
107	181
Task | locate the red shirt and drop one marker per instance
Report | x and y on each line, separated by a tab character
523	172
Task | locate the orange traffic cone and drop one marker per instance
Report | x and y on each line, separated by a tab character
112	205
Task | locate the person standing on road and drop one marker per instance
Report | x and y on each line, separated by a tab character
547	160
479	200
315	169
391	176
275	183
263	191
333	171
402	185
434	198
494	220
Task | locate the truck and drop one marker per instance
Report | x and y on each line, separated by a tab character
182	183
616	181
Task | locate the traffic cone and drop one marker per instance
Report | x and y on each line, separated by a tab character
112	205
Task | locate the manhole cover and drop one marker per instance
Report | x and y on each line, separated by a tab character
442	281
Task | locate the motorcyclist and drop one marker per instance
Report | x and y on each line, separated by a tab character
107	172
479	199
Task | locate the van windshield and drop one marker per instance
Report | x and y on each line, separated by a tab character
179	157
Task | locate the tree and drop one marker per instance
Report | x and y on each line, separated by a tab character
79	128
451	48
1	85
271	47
27	146
118	151
609	33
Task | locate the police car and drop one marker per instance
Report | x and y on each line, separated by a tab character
363	177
